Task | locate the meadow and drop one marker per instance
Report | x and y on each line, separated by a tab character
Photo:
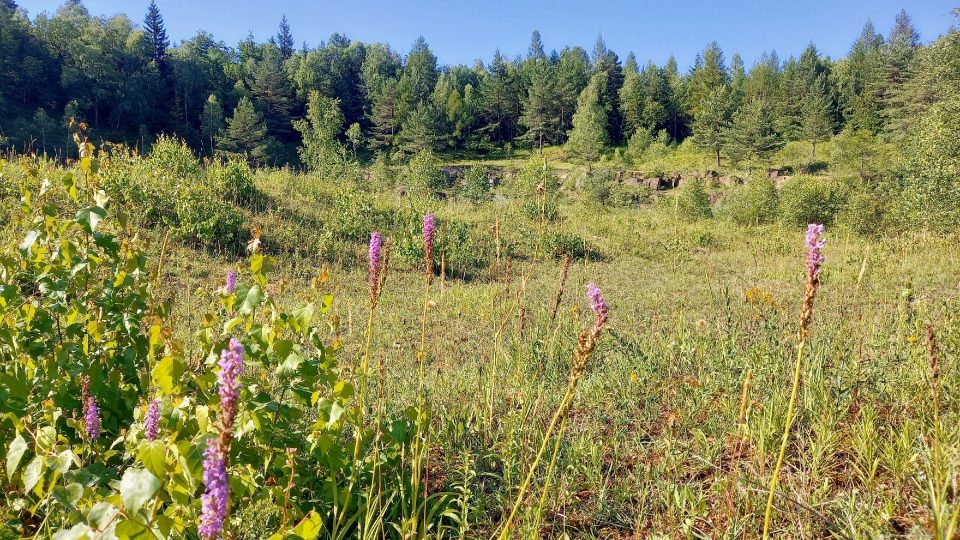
485	397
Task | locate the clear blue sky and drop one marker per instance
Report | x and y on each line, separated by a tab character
461	31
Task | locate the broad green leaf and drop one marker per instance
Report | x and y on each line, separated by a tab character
28	242
252	300
309	527
100	516
153	456
77	532
167	374
18	447
136	488
32	474
89	217
133	529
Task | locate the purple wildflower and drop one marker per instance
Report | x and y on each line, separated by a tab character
214	501
91	418
597	304
231	366
375	244
152	422
815	242
231	284
429	228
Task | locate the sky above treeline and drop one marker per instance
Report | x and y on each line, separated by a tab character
462	32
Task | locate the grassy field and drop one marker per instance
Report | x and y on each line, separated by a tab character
676	423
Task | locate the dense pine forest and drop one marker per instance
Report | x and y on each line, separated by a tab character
129	82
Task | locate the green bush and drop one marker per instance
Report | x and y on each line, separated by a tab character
806	199
754	202
235	181
476	185
560	244
423	175
595	185
204	218
867	208
693	202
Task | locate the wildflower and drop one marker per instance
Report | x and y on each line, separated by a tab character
815	242
231	366
375	245
231	283
91	418
153	419
597	304
214	501
429	228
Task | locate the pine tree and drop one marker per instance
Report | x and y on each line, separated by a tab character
419	130
710	123
498	89
156	34
606	61
752	135
421	73
271	87
540	96
817	115
709	72
246	132
589	135
631	96
285	38
573	74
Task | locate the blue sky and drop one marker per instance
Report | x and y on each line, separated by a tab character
461	32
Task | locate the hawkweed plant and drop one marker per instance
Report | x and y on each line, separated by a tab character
815	242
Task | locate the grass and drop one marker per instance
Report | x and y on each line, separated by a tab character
652	444
664	436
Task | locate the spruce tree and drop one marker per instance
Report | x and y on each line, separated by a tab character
538	102
817	121
285	38
711	121
156	34
246	132
752	136
589	134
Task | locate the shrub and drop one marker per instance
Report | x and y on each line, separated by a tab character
204	218
753	203
560	244
595	185
423	174
807	199
234	180
476	185
693	203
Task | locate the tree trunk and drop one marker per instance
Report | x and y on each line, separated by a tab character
718	158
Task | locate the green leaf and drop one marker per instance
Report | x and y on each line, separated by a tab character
77	532
153	456
309	527
89	217
130	528
136	488
100	516
33	473
252	300
28	242
167	374
15	452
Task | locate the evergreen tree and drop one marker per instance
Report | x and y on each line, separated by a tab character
709	72
419	130
752	135
538	102
285	38
156	34
817	115
271	88
631	96
498	89
589	135
246	132
573	74
606	61
710	123
420	73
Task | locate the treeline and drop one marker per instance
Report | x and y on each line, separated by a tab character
268	100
